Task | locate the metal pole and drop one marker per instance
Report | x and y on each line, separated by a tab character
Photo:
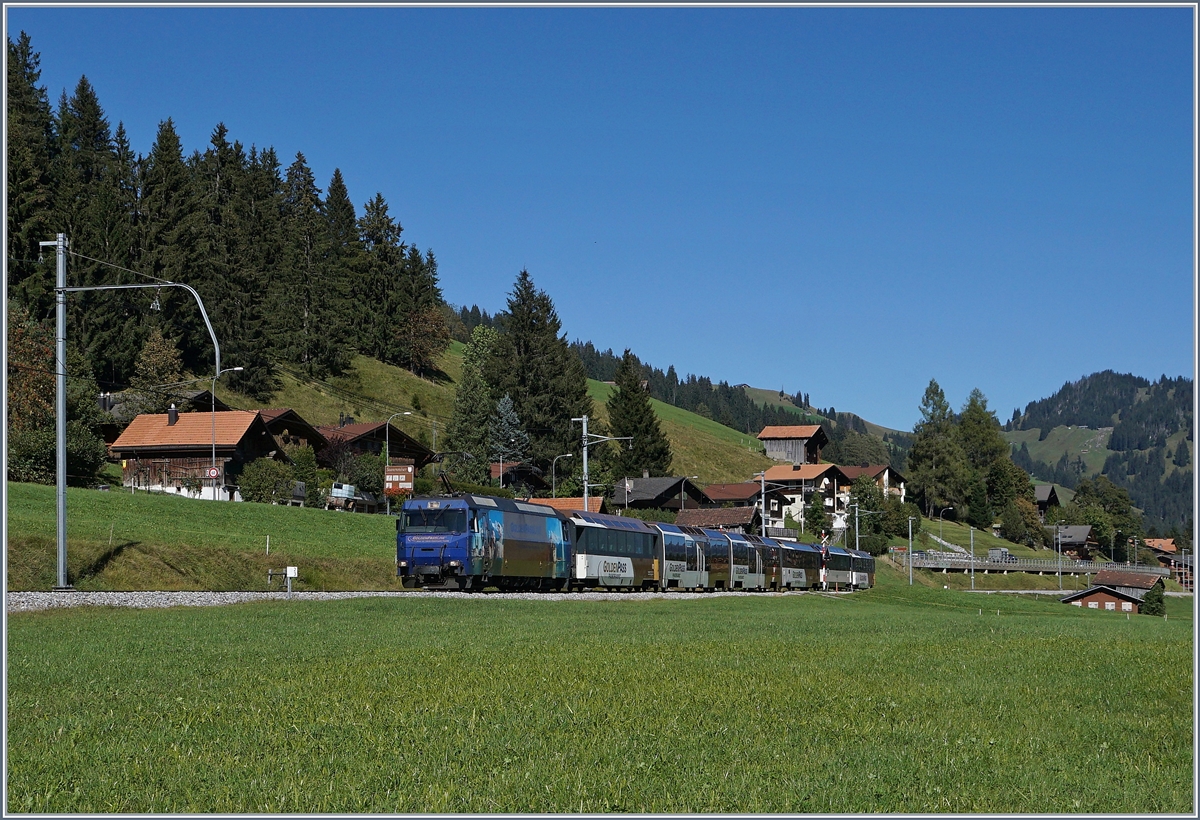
910	550
60	401
972	558
584	419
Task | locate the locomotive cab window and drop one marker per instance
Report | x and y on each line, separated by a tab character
433	521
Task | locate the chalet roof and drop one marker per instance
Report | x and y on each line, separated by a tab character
596	503
191	430
1116	578
1042	493
799	472
792	431
279	417
721	517
1072	535
124	404
649	489
1111	590
350	432
742	491
1161	544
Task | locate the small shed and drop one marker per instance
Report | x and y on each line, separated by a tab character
1046	496
797	443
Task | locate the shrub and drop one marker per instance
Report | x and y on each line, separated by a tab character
1153	603
266	481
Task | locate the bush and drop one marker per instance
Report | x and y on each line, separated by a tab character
266	481
31	455
1153	603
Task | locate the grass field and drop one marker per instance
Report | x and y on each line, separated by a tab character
117	540
893	700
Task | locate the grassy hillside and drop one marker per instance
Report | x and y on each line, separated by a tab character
1085	442
700	446
372	391
121	540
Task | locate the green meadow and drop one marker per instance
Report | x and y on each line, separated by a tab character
895	700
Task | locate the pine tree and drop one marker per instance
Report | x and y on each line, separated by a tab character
937	467
631	414
816	519
543	375
375	294
468	429
507	439
30	139
158	366
979	434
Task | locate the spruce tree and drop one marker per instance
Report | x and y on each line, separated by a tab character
937	465
507	439
30	139
468	429
630	413
536	367
375	292
816	520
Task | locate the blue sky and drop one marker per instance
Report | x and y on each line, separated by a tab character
846	202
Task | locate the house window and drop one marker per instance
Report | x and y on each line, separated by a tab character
1076	603
1093	605
1111	606
1126	606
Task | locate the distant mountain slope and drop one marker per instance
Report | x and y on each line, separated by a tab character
1136	432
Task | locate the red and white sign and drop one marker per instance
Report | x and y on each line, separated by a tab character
213	472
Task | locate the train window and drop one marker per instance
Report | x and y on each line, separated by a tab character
426	520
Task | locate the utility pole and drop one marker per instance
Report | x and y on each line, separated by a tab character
60	399
592	438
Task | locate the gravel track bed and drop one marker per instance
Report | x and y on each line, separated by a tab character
30	601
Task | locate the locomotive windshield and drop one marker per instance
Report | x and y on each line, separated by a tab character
433	521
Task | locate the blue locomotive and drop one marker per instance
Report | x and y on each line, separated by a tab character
468	542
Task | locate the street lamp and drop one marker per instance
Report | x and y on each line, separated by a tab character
554	475
387	455
213	395
942	520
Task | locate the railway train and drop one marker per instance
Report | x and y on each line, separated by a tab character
468	542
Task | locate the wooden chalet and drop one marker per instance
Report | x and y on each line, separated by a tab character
1115	591
120	408
658	493
290	430
1046	496
799	483
172	452
371	437
798	443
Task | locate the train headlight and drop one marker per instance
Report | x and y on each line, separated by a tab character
402	563
455	563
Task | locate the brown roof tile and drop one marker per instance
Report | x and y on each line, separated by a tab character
595	503
724	517
802	472
742	491
191	429
1116	578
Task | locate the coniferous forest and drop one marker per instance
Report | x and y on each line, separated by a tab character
290	270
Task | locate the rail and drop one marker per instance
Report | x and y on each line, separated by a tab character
1072	566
